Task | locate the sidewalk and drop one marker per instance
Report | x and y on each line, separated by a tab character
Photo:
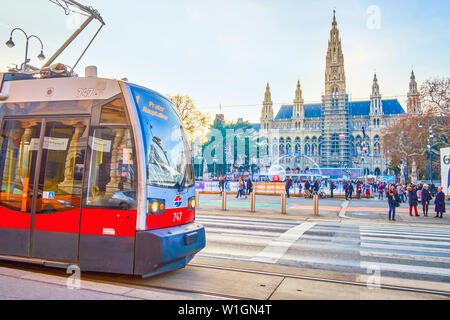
330	210
270	207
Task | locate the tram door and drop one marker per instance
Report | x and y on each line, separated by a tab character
18	158
56	201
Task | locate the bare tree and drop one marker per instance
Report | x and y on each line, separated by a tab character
435	96
194	122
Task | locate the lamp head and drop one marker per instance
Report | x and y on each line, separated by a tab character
41	56
10	43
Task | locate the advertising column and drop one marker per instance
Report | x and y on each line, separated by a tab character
445	170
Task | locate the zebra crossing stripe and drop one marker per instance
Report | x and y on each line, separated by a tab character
405	256
405	268
408	236
403	247
277	248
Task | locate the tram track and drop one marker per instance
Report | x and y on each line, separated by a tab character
139	283
335	281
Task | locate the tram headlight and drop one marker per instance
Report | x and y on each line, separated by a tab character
155	206
191	203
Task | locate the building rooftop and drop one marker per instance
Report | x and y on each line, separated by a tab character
357	108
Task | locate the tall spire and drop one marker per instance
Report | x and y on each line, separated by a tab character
334	23
375	86
298	93
334	72
267	95
267	110
376	107
298	112
413	105
412	83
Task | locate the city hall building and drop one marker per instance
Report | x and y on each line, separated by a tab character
336	133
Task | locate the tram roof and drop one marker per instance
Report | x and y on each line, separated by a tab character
17	89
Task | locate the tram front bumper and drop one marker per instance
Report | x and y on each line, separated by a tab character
162	250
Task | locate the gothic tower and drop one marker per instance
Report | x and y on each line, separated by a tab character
267	110
298	113
376	107
335	106
413	105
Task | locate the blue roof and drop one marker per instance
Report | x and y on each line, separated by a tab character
357	108
256	126
392	106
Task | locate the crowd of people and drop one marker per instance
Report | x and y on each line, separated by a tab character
394	193
413	194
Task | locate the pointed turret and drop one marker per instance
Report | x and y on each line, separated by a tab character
413	105
298	112
375	98
334	70
267	110
267	95
375	86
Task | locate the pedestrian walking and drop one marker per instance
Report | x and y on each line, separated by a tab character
307	186
350	190
412	199
241	188
332	187
393	201
249	185
316	187
380	191
358	190
221	184
433	189
426	197
288	185
439	203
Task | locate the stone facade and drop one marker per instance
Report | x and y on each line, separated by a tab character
336	132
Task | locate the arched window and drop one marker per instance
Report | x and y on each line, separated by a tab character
313	149
281	149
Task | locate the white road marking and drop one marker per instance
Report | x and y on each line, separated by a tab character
404	268
409	236
403	247
389	239
277	248
404	256
344	209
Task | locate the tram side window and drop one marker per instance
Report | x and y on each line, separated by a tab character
112	179
18	153
113	112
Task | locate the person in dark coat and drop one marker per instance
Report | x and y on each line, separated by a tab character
426	197
393	201
316	186
288	185
439	202
350	190
249	185
412	199
221	184
332	187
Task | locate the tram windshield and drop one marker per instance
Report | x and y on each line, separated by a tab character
167	149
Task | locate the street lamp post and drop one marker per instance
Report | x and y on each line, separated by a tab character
430	146
11	44
431	153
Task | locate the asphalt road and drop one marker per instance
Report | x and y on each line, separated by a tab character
420	252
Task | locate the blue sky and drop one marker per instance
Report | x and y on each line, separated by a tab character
224	52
